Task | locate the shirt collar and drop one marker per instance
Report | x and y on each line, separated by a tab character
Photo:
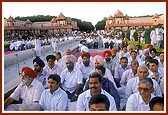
88	94
55	92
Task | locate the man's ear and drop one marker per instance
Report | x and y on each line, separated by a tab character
152	90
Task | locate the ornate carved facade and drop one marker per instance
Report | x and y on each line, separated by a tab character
56	25
119	21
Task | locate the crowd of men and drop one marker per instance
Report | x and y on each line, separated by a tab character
125	78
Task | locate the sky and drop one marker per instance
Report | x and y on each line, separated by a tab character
86	11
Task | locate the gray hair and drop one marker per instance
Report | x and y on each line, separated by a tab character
142	66
147	81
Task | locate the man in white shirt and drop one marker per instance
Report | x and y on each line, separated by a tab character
132	31
155	72
119	69
132	83
161	59
159	35
37	48
52	68
114	59
67	52
153	37
95	88
54	43
86	66
130	73
71	78
58	59
84	49
54	98
99	61
29	90
153	52
140	101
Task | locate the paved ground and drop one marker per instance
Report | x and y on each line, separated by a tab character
10	73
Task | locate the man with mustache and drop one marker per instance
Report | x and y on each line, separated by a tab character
95	88
29	91
71	79
86	66
42	75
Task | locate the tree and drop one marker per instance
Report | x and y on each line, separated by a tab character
101	24
37	18
83	25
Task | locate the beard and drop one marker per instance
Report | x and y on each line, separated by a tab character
70	68
108	59
37	70
24	81
86	64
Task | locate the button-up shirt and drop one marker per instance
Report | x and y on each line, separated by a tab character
71	80
132	86
136	103
56	101
85	70
119	71
55	70
43	78
28	94
126	76
108	86
83	101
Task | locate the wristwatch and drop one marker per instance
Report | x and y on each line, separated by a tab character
76	95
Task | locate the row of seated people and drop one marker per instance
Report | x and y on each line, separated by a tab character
77	82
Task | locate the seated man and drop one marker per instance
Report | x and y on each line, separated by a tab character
107	85
140	101
29	90
95	88
71	79
157	104
54	98
99	103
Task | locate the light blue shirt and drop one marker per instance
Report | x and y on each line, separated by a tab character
85	70
119	71
56	101
43	78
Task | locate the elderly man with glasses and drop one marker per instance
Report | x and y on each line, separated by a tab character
140	101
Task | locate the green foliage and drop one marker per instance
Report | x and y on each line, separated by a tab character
101	24
6	45
135	35
144	46
83	25
37	18
128	34
147	35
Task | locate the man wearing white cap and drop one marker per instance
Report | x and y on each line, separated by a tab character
84	49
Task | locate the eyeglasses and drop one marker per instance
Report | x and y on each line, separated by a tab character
144	89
